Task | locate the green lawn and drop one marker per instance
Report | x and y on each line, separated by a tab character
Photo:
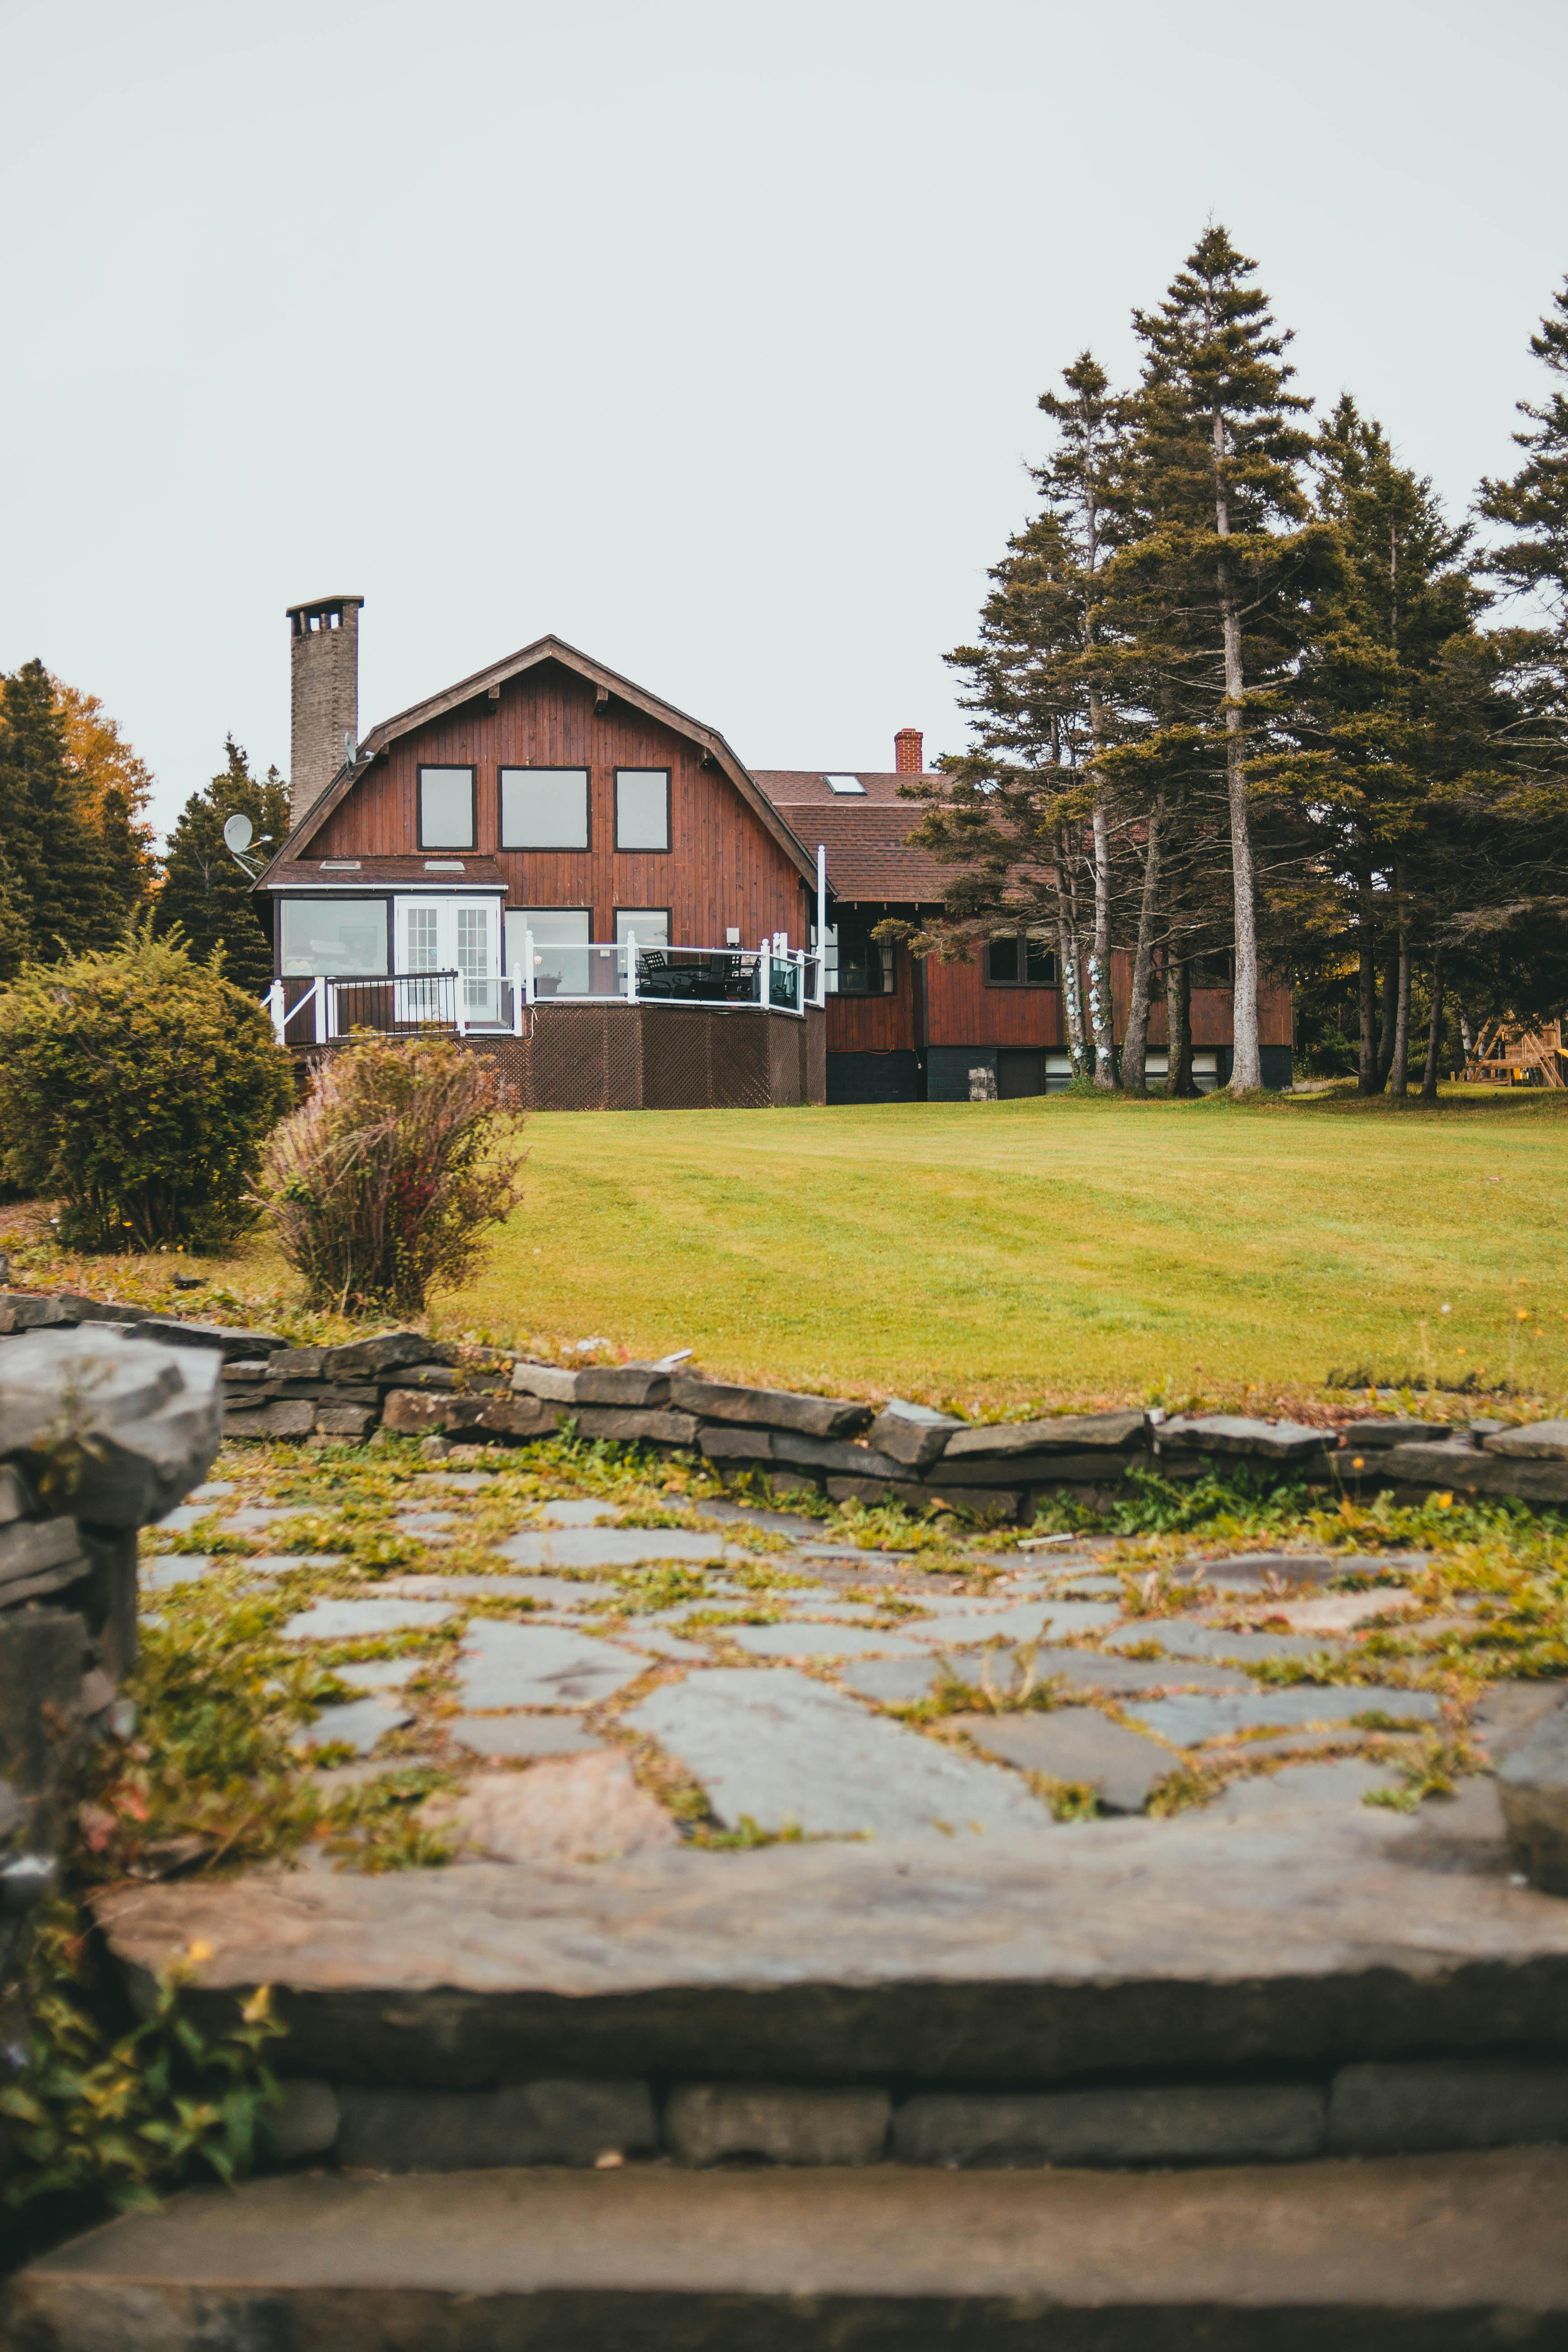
1058	1249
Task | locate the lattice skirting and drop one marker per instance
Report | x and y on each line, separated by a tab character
665	1057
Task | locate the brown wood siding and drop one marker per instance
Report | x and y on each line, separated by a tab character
962	1011
723	868
874	1024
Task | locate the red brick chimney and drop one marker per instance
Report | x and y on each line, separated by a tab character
909	751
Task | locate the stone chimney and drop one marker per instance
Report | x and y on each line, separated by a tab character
324	652
909	751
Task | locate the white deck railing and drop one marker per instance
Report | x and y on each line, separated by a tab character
764	979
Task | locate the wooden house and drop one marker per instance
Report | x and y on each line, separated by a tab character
588	883
900	1029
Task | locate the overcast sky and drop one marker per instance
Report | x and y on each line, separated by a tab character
704	333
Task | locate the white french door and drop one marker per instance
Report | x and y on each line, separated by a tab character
449	934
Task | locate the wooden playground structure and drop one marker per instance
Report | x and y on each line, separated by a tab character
1511	1054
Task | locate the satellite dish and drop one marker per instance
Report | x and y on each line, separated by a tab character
236	833
351	752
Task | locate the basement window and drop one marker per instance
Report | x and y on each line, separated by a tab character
1015	963
848	786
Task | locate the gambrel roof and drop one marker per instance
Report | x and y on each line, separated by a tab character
485	684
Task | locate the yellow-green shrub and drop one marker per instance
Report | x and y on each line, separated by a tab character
136	1089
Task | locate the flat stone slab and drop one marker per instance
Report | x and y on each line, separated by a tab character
899	1681
365	1621
1183	1637
580	1808
813	1639
1079	1745
1018	1621
1391	2254
507	1665
1188	1719
517	1737
574	1514
285	1563
612	1546
1321	1931
1346	1781
780	1749
178	1567
360	1722
433	1585
381	1673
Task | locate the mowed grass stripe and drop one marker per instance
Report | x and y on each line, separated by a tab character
1055	1249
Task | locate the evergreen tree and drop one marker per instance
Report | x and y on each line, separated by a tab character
114	787
205	892
61	875
1026	811
1533	505
1221	554
1380	732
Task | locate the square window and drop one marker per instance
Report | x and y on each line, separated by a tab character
1001	959
446	808
544	808
642	808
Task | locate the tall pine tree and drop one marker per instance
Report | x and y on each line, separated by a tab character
60	876
205	892
1213	585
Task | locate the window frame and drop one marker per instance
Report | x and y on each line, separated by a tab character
1022	936
617	913
545	848
333	898
448	768
669	849
888	950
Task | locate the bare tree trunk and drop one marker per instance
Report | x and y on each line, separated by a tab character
1066	961
1390	1008
1399	1068
1135	1042
1179	1027
1434	1028
1369	1079
1467	1034
1101	1019
1246	1065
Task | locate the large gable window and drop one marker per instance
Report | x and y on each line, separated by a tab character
544	808
642	808
446	808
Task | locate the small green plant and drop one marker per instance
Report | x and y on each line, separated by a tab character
136	1089
390	1178
120	2115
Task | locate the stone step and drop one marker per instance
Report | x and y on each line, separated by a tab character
1428	2255
1261	1933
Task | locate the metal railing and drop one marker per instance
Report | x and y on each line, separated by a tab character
782	979
312	1010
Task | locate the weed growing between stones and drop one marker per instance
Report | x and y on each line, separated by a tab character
108	2111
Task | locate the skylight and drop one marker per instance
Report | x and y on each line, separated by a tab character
846	784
